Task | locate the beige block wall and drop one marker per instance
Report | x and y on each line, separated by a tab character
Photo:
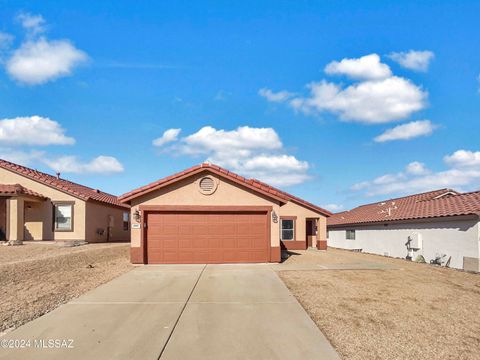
302	214
185	192
45	210
98	217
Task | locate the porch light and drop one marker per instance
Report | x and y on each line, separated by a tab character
274	217
137	215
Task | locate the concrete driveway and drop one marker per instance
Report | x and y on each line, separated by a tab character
177	312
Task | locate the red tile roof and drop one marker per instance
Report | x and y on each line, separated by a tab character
66	186
297	199
432	204
17	189
253	184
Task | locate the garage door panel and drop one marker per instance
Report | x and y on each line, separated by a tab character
169	257
244	242
185	244
215	242
200	229
200	242
170	243
200	256
197	237
185	255
227	230
257	243
185	229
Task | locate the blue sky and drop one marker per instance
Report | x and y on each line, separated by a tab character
88	87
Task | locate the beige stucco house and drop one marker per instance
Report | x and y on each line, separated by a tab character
207	214
39	206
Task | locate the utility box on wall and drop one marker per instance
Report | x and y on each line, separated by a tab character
415	241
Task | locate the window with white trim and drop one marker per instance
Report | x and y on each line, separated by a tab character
287	229
350	235
63	214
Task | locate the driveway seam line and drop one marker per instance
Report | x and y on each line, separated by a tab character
181	313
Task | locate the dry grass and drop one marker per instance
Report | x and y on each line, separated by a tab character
415	312
34	250
37	278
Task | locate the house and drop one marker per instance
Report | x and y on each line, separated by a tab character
39	206
207	214
440	224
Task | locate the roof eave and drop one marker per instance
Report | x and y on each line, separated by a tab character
402	220
314	208
126	198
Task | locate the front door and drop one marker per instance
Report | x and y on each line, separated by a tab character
310	232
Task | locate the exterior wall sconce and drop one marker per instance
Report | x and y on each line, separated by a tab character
274	217
137	215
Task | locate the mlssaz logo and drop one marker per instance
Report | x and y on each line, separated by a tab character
53	343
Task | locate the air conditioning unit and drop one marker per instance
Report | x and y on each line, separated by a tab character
415	241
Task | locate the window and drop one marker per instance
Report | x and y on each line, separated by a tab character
63	214
288	229
126	220
350	234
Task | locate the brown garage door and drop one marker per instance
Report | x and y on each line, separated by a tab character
207	237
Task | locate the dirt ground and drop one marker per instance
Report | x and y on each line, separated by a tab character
37	278
416	311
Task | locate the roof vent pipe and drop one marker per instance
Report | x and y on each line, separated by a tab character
58	175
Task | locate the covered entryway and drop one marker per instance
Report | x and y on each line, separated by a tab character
213	236
21	215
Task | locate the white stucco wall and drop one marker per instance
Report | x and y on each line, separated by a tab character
457	237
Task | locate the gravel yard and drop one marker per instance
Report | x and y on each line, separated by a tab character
37	278
415	311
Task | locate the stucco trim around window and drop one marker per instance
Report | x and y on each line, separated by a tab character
55	204
293	229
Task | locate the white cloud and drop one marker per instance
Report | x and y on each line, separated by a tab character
368	67
33	130
407	131
282	170
370	102
251	152
242	140
416	168
20	157
102	165
33	24
168	136
39	61
333	207
413	60
271	96
463	159
378	96
463	173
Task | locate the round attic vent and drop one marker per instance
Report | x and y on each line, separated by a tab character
207	185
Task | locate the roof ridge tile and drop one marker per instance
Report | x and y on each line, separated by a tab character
77	190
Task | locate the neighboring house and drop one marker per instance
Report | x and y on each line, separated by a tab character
38	206
441	223
207	214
